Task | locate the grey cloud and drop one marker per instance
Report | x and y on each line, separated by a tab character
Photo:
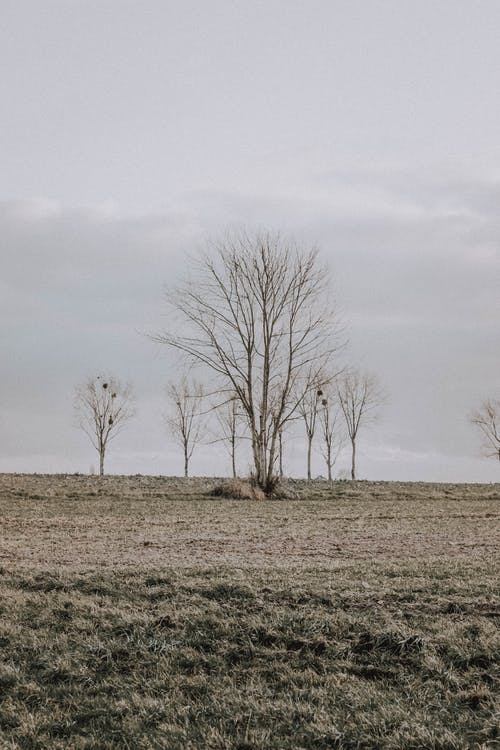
369	129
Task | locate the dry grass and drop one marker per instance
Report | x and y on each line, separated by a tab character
138	613
238	489
117	521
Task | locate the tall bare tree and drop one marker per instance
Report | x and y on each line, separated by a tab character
330	432
256	314
186	419
103	405
359	395
487	420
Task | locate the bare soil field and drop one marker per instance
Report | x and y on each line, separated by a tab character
139	612
73	521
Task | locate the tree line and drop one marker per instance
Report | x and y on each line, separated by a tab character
332	412
255	322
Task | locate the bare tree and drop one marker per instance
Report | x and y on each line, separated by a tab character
228	419
359	394
186	419
282	436
330	432
487	420
256	315
103	406
308	410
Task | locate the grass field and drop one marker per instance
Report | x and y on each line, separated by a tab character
142	613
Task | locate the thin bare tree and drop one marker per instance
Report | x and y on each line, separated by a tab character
282	438
103	405
256	314
186	419
229	426
487	420
331	433
359	395
308	410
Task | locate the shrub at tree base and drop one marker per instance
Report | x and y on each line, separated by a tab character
238	489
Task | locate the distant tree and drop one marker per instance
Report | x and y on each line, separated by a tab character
331	432
228	415
359	394
258	316
103	405
308	410
186	419
487	420
282	437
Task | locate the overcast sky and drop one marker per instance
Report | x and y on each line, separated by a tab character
133	131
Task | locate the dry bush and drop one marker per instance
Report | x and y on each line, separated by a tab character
284	491
238	489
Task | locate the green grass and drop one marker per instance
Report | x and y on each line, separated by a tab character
395	651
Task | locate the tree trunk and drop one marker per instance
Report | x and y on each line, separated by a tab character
353	460
186	462
263	456
309	445
258	450
101	462
280	435
329	462
233	456
260	474
270	475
